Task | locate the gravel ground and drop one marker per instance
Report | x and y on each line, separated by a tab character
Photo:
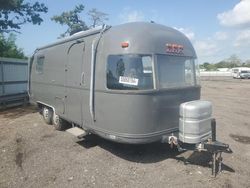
33	154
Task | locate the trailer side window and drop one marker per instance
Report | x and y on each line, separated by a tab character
39	64
129	72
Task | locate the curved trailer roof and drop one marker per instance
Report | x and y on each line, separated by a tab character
144	37
141	36
75	36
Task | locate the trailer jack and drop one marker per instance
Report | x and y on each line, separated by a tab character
216	148
212	146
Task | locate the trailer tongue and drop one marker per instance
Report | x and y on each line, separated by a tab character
197	132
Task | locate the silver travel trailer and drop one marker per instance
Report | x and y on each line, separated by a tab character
133	83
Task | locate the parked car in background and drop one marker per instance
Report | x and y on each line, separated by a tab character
245	74
241	72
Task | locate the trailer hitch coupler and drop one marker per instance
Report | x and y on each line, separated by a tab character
213	129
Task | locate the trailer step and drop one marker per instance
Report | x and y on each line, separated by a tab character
76	131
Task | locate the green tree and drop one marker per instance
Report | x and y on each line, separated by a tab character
72	20
206	64
201	66
234	61
208	67
8	47
97	17
247	63
14	13
222	64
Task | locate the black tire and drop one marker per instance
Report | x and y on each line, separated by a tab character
59	123
47	114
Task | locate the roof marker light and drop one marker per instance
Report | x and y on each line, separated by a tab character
124	44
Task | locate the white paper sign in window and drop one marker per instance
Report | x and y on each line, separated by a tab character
128	80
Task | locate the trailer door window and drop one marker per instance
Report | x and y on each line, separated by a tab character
175	71
129	72
39	64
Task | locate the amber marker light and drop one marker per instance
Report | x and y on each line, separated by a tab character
125	44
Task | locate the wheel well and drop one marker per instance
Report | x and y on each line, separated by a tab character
41	106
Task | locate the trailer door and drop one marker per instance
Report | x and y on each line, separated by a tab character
73	82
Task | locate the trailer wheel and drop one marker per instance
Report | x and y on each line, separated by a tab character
59	123
47	115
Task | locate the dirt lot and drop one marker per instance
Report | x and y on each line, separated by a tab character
33	154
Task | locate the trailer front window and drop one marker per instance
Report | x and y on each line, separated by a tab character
176	71
129	72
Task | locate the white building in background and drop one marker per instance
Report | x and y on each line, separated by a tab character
224	69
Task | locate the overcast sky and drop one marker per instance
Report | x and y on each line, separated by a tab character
217	28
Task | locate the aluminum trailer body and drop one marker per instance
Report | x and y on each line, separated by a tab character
124	83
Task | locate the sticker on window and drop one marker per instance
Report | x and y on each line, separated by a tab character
128	80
